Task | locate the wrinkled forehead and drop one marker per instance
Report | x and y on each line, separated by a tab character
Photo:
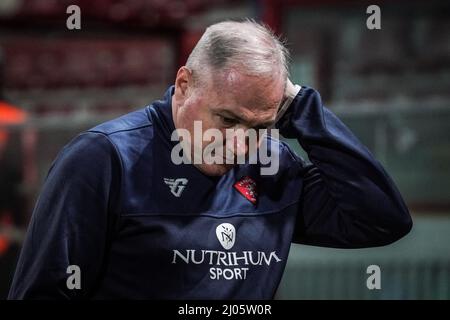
236	89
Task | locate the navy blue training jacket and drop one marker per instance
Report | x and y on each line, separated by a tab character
140	227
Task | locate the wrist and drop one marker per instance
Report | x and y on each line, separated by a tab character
290	93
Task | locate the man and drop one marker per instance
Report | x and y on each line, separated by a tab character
116	208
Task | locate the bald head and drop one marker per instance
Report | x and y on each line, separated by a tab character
246	46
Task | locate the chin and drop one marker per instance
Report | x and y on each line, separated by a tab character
214	169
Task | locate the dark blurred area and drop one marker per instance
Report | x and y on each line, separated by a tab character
390	86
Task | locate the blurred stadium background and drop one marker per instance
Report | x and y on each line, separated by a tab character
390	86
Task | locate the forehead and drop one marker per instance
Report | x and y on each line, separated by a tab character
245	93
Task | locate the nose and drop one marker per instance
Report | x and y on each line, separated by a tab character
240	145
238	142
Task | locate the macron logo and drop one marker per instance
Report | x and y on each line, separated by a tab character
176	185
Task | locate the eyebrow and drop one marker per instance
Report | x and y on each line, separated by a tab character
231	114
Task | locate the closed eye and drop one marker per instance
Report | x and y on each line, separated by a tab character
227	121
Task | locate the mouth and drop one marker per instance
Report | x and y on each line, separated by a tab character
229	160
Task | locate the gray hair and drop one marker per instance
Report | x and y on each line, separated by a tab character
249	46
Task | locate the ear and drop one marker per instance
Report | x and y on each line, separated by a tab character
183	82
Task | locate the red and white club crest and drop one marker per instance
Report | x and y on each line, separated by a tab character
247	187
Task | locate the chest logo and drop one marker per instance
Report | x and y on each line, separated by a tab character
226	234
176	185
247	187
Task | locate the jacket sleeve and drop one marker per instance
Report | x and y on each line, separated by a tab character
348	199
71	223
